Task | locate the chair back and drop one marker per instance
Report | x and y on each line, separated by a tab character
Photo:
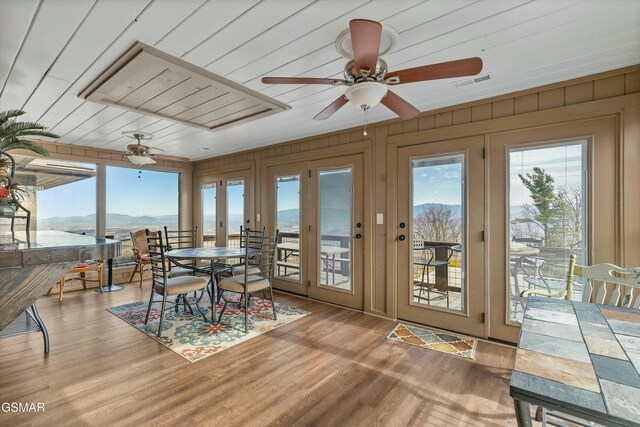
606	284
158	264
251	238
264	257
139	242
177	239
419	253
440	253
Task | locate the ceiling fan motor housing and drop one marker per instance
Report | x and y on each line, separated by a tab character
354	75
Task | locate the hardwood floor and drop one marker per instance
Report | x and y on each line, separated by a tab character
333	367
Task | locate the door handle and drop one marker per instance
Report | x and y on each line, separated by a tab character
401	237
358	236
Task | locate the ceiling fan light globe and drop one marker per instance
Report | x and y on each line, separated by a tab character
366	94
140	160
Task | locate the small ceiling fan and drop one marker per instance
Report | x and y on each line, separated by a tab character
367	79
139	154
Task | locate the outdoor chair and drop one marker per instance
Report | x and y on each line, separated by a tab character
425	256
600	286
165	286
264	260
140	252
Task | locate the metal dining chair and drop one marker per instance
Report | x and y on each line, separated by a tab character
165	286
263	260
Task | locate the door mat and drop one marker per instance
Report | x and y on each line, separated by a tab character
434	339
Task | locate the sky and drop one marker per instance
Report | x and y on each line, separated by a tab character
289	193
442	183
564	163
154	193
437	183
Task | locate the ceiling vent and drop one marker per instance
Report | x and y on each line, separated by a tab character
473	80
153	83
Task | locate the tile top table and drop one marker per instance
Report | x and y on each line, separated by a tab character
580	359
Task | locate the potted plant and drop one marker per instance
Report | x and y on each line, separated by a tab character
12	137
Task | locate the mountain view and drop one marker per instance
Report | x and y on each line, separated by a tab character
334	220
118	224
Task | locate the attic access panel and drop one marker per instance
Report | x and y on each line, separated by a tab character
153	83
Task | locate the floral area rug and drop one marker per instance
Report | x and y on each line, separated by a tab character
434	339
194	339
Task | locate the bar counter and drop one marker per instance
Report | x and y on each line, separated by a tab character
32	263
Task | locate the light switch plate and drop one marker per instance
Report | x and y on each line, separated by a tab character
379	218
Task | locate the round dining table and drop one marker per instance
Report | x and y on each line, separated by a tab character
212	254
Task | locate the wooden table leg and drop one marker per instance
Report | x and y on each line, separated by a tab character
523	413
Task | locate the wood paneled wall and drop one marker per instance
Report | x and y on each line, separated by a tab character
615	92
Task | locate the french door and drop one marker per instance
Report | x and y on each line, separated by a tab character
439	240
225	208
552	196
318	208
337	231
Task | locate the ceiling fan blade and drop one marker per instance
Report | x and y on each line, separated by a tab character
301	81
332	108
154	150
399	106
365	41
443	70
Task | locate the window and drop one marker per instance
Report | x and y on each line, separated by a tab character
61	195
547	217
137	200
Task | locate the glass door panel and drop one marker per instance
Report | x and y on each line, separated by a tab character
546	205
235	210
335	224
440	218
287	189
209	222
437	232
288	223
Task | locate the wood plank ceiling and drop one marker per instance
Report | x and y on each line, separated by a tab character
50	50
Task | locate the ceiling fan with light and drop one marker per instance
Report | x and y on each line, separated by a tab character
367	78
138	153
